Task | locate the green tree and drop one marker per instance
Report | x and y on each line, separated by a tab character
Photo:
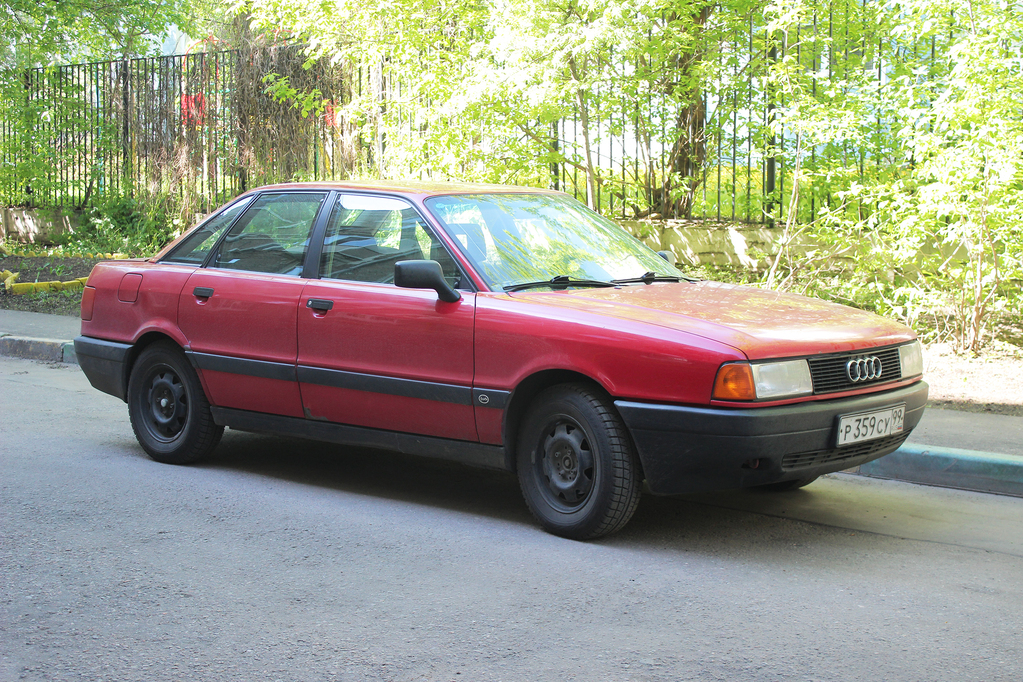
617	70
477	90
935	223
42	32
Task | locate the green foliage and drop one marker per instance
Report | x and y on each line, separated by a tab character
59	269
49	32
41	132
477	91
120	224
309	103
894	126
932	227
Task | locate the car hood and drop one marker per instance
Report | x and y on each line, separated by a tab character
760	323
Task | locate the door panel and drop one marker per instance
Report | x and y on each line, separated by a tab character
387	358
242	336
239	313
375	355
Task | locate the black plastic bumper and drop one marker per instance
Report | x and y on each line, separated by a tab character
690	449
105	364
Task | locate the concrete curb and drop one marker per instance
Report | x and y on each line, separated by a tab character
50	350
986	472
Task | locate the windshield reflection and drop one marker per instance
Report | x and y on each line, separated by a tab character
517	238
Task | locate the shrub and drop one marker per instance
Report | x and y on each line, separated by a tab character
121	224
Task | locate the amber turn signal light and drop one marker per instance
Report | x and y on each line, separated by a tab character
734	382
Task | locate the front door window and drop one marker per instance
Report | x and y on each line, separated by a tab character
367	235
272	236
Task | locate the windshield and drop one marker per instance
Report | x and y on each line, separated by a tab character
519	238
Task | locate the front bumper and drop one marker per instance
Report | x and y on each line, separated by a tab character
693	449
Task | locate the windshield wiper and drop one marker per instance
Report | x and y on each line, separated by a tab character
648	278
559	282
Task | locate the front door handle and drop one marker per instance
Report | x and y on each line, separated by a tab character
320	304
202	292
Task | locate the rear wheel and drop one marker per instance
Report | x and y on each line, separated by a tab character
169	412
576	463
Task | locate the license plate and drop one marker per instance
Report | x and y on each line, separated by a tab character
856	428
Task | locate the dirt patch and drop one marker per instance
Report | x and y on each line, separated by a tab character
57	303
46	269
990	383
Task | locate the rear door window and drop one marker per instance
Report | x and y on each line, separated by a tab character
273	234
196	246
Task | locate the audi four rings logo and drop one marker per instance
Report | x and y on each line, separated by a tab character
863	369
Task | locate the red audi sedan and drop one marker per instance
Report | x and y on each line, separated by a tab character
502	327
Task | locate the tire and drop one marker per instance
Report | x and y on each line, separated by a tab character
169	412
784	486
576	464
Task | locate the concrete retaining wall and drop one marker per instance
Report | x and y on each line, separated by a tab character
37	225
698	242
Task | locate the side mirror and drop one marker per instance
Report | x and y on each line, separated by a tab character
424	274
665	255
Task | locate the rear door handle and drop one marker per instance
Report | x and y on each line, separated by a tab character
202	292
321	304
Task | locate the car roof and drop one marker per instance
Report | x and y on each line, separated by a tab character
410	187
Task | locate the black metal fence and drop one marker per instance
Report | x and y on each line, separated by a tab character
201	127
198	127
747	156
73	133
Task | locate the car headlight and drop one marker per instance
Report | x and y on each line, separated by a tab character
782	379
911	357
763	380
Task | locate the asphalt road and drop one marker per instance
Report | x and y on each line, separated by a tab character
289	560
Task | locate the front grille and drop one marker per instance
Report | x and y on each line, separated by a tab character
807	460
829	371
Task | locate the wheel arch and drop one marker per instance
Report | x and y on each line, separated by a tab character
143	342
526	391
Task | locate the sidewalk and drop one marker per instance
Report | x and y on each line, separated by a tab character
36	336
965	450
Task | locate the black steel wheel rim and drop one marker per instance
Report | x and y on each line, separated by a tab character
164	404
564	466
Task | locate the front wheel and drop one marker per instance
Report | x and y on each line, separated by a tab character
168	410
576	463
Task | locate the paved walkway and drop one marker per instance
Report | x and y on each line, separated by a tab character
970	431
965	450
38	336
38	325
